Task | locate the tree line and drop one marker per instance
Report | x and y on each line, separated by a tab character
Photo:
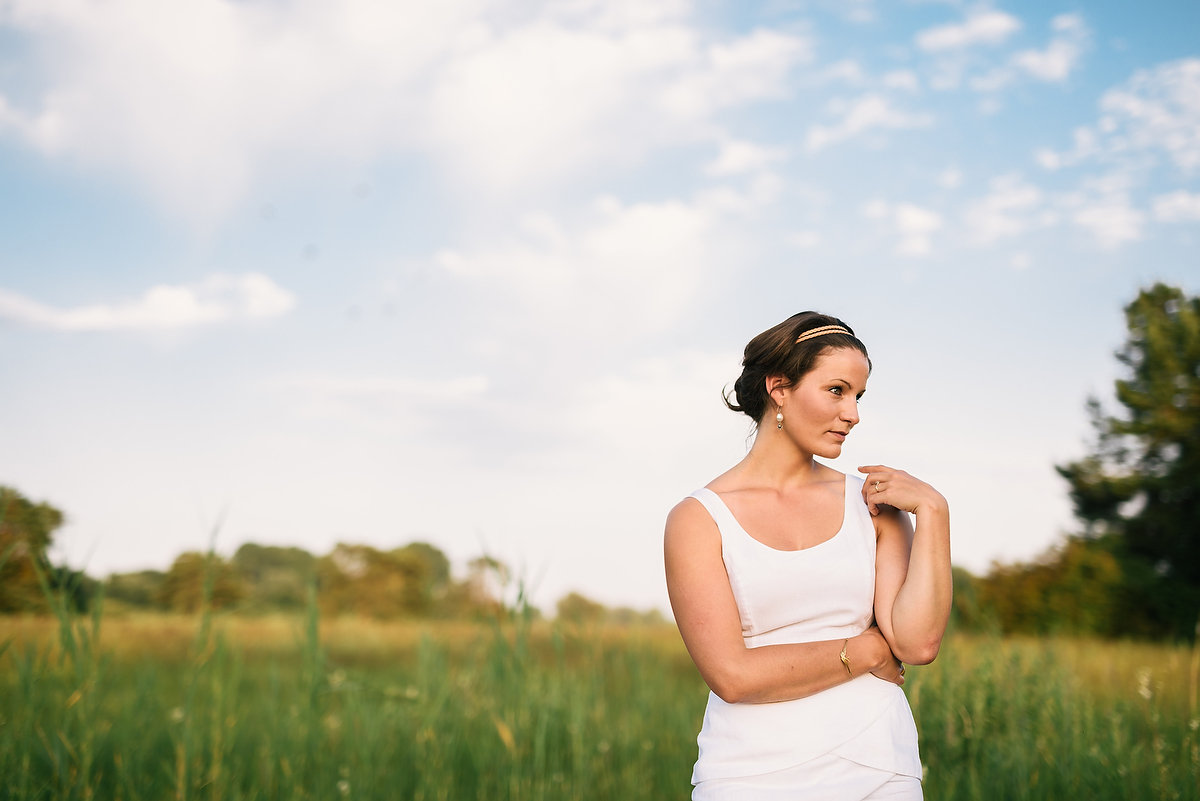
1131	569
411	581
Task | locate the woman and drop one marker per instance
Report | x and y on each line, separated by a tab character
800	591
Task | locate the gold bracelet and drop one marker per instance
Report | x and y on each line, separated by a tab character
845	659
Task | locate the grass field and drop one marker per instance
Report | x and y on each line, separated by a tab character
157	707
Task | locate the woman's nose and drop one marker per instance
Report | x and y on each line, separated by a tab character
850	412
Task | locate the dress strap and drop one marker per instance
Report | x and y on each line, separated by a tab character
717	510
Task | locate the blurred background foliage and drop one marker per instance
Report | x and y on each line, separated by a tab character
1132	569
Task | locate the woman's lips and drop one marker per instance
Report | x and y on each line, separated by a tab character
840	436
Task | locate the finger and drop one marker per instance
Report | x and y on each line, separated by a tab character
876	468
868	491
877	481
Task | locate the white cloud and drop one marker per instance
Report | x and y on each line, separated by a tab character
1111	219
979	28
196	102
950	178
545	101
913	224
1052	64
1086	145
1102	207
868	113
216	299
385	403
640	264
993	80
876	209
805	239
1061	56
1007	210
738	157
847	71
1156	111
902	79
857	10
1180	206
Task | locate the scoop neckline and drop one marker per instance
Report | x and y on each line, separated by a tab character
752	538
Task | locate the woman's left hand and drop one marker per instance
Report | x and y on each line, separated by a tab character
896	488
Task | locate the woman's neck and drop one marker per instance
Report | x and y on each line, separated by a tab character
776	461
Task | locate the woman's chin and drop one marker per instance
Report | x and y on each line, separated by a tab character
830	452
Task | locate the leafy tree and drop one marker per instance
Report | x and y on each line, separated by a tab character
1138	492
576	608
359	579
142	589
1073	588
182	588
26	530
968	612
435	560
275	578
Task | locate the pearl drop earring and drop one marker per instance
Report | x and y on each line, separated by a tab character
779	420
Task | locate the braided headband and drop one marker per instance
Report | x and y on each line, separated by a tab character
822	331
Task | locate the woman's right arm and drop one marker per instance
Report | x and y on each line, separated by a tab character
707	615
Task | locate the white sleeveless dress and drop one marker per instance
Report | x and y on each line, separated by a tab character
851	742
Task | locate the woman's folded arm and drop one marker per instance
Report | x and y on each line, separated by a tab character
707	616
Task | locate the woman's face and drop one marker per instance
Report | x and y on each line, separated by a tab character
820	410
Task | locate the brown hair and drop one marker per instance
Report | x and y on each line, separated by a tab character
776	352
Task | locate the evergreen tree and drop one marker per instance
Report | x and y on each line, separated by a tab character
1138	492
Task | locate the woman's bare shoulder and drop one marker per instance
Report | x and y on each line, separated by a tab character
689	520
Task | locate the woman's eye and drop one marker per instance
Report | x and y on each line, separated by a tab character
836	390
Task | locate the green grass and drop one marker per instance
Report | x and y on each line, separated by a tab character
227	708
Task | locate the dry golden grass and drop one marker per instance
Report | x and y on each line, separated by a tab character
1104	669
1107	669
167	637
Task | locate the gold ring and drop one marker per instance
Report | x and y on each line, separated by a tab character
877	486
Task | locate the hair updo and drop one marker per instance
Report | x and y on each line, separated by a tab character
776	352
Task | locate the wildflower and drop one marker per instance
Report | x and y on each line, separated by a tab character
1144	683
344	788
177	714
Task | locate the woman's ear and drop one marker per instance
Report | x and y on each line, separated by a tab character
777	388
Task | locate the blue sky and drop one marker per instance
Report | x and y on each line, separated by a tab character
476	272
